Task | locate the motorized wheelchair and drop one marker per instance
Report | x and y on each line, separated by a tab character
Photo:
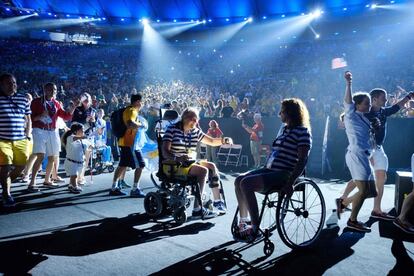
175	193
298	218
98	165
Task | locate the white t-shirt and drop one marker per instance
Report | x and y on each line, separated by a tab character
75	150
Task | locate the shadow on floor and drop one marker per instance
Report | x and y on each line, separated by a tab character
329	250
20	256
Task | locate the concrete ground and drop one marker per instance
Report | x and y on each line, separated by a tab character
57	233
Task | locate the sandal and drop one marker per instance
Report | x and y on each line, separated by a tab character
407	228
50	185
58	180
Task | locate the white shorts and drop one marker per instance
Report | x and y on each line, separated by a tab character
379	159
46	141
359	166
72	168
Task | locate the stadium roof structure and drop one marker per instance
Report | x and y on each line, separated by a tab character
184	9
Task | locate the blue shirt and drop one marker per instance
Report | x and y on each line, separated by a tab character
382	114
357	128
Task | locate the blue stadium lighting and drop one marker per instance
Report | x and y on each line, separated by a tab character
27	11
316	13
374	6
245	19
227	19
68	15
175	20
283	15
103	18
80	17
345	9
302	14
367	5
145	21
158	21
336	33
36	14
204	21
49	13
250	19
7	9
87	17
192	20
392	2
122	19
354	31
210	20
317	36
126	38
264	17
55	15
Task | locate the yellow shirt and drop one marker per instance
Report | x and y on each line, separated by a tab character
130	114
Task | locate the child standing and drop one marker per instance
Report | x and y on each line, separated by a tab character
76	146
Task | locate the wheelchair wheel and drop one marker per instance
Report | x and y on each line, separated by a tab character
180	215
301	217
111	168
268	220
268	248
153	204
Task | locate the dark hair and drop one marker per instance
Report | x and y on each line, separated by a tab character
73	129
6	76
49	84
359	97
376	92
136	97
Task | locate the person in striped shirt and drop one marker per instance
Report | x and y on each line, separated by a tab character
287	161
15	130
179	144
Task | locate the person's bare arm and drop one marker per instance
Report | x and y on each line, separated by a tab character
348	88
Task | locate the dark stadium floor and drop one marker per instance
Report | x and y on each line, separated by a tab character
57	233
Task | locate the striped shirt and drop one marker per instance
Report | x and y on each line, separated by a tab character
285	148
182	144
13	110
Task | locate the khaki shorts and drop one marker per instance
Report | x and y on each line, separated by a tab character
14	152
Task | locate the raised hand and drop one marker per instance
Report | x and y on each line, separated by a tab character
348	76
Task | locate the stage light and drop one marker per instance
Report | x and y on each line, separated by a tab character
345	9
392	2
283	15
7	9
336	33
36	14
158	21
210	20
354	31
55	15
317	36
68	15
264	17
104	18
145	21
250	19
122	19
49	13
227	19
374	6
316	13
367	5
204	21
175	20
87	17
191	20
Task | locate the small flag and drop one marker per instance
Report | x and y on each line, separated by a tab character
339	63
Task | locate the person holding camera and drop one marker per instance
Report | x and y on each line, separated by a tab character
46	141
179	144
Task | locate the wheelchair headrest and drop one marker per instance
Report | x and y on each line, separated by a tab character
170	115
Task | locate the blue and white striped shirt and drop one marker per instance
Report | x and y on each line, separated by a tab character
13	110
181	143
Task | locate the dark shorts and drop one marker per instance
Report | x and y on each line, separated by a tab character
131	158
274	180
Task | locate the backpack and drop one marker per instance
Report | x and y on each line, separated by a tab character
117	123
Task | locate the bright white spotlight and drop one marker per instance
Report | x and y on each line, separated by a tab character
283	15
316	13
210	20
317	36
250	19
145	21
175	20
158	21
264	17
227	19
204	21
374	6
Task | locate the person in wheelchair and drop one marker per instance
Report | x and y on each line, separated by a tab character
100	136
179	144
285	164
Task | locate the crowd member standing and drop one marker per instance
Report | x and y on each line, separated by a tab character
379	160
215	132
15	130
85	115
130	156
256	136
46	140
358	131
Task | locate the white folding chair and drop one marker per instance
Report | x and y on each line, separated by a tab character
234	155
223	154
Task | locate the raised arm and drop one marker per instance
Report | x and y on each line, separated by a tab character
348	88
404	100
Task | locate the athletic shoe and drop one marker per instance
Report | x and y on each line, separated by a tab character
123	184
117	192
358	226
137	193
74	190
404	227
382	216
8	202
220	207
203	213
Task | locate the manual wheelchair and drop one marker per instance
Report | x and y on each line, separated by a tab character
175	193
298	218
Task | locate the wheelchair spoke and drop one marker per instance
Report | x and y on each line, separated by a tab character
313	201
